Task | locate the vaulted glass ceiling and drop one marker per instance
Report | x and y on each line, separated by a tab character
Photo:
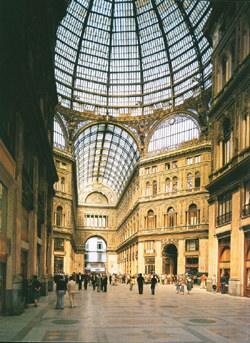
107	154
127	57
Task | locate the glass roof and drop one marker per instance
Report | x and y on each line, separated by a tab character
174	131
105	153
127	57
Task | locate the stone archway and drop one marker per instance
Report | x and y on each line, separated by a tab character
169	259
95	254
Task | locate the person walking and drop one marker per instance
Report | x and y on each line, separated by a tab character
105	282
71	285
140	281
189	284
223	282
60	292
36	286
203	280
182	289
153	283
214	284
98	282
178	286
93	279
85	278
79	281
113	280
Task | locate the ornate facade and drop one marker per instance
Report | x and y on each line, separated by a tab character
27	170
147	155
229	116
160	221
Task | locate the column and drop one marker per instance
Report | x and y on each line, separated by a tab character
247	130
141	266
16	241
232	145
158	258
181	257
243	134
221	154
236	249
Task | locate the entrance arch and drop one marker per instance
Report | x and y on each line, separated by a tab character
169	259
95	254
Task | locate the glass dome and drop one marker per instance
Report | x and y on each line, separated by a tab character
128	57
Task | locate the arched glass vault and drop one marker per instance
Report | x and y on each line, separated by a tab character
106	154
128	57
173	131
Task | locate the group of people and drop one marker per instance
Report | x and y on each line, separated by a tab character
99	281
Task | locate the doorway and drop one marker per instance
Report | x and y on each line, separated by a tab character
170	255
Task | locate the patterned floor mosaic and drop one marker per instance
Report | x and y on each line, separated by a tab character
164	317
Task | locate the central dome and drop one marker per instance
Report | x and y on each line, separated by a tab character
127	58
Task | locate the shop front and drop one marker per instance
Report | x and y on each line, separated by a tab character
247	264
224	255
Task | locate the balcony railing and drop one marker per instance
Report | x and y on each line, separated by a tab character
224	218
59	248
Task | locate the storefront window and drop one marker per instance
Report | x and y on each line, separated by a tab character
248	278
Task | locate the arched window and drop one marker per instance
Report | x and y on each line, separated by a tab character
150	220
171	217
59	140
173	131
154	187
224	70
168	185
147	189
62	184
197	179
227	142
193	214
189	181
59	216
175	184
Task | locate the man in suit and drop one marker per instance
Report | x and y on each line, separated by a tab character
153	283
140	281
79	281
71	289
105	281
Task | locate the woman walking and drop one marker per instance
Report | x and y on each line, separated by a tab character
36	286
189	284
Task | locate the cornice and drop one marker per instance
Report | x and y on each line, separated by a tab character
63	155
229	180
200	145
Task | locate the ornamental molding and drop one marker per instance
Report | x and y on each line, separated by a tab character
168	241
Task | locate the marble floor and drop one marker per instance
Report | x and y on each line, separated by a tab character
123	315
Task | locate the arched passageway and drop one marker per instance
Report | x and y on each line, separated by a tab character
95	255
169	263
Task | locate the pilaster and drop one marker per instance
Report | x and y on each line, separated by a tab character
158	258
141	266
181	257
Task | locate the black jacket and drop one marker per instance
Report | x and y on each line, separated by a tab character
61	285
